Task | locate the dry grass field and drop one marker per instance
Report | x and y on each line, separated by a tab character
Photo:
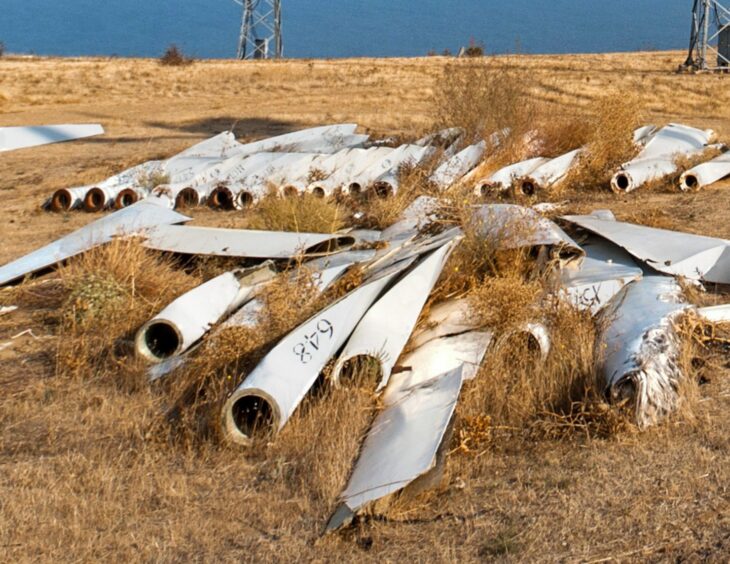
86	473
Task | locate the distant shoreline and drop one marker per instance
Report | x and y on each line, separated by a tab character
9	56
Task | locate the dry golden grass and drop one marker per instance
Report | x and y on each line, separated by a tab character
608	142
558	135
505	302
305	213
516	388
337	420
109	293
518	397
479	259
85	473
506	291
685	163
484	97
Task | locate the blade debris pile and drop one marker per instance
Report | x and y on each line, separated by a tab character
395	307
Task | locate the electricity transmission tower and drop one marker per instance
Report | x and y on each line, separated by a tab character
260	36
709	46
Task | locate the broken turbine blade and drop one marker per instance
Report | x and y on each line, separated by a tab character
695	257
12	138
402	444
639	348
376	335
268	396
214	241
133	220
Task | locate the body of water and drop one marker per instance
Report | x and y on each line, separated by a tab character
345	28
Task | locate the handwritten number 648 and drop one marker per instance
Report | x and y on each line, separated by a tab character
312	341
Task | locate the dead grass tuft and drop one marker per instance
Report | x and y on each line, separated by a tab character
152	180
199	390
477	257
174	57
608	141
591	418
669	184
515	387
484	97
703	355
505	302
559	134
317	448
288	301
109	292
474	435
348	282
303	214
686	162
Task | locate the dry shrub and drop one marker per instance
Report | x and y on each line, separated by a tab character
505	303
305	214
506	290
474	435
199	389
697	294
685	162
561	133
478	257
288	301
316	175
174	57
609	141
464	270
515	387
109	293
703	355
590	417
321	441
151	180
484	97
348	282
712	345
696	340
474	49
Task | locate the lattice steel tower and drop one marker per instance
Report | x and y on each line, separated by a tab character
260	30
709	45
